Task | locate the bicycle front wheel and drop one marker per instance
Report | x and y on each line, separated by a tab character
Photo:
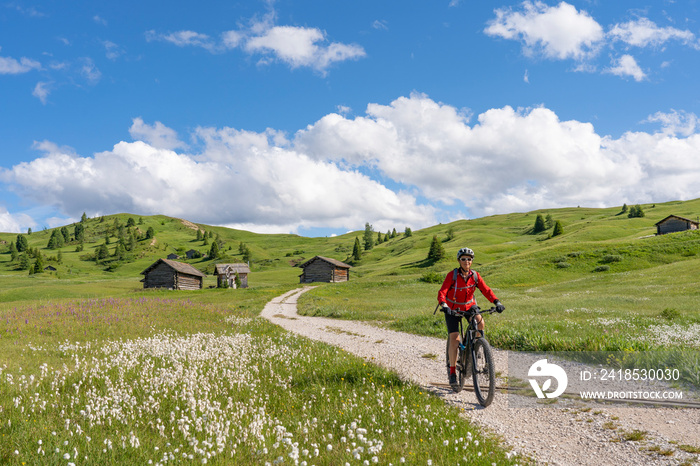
483	372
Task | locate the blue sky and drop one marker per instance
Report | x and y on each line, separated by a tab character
316	117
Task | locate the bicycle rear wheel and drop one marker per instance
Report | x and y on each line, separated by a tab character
484	372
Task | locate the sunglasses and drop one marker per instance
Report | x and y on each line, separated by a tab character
464	259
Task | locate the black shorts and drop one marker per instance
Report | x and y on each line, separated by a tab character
452	323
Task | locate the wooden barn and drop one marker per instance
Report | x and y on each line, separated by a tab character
324	269
674	223
226	273
172	275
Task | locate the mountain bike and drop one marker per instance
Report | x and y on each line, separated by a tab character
474	355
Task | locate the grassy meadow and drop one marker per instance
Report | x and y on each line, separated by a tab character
96	370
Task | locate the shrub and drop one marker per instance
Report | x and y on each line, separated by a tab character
432	277
610	258
670	313
563	265
602	268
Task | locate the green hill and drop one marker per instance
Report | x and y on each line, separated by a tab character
506	249
608	282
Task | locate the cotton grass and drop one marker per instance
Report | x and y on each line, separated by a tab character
248	394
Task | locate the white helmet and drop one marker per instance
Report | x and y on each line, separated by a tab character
465	252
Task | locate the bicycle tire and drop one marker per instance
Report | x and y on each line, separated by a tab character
461	368
484	372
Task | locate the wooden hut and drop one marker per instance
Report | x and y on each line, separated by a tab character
226	273
674	223
324	269
173	275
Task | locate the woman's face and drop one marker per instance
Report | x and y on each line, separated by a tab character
465	262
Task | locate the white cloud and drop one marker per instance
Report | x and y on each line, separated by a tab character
328	174
41	91
299	46
644	32
295	46
112	50
556	31
90	72
15	223
158	135
184	39
509	160
9	65
626	65
676	123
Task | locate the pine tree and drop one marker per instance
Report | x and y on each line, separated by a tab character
150	233
84	218
357	250
539	224
436	251
368	237
558	229
214	250
13	252
39	264
22	243
24	261
624	208
379	238
393	233
408	232
102	253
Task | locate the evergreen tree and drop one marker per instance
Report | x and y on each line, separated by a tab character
539	224
66	234
13	252
368	237
558	229
199	234
24	261
84	218
79	232
379	238
436	251
636	212
131	222
357	250
393	233
549	221
102	253
408	232
214	250
132	242
39	264
119	251
59	259
29	231
56	241
150	233
22	243
624	208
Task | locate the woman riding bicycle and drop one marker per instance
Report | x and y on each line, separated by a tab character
457	293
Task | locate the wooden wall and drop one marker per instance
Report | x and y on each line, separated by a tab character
673	225
322	271
163	276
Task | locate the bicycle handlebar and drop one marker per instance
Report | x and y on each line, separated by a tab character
468	313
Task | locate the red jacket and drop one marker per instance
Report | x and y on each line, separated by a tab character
461	295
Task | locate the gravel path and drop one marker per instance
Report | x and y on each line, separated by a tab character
573	436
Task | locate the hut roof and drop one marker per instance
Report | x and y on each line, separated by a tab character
680	218
177	266
335	262
235	268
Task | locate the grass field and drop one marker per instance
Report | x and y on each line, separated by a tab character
94	366
156	378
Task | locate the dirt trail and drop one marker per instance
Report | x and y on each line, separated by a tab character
573	436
